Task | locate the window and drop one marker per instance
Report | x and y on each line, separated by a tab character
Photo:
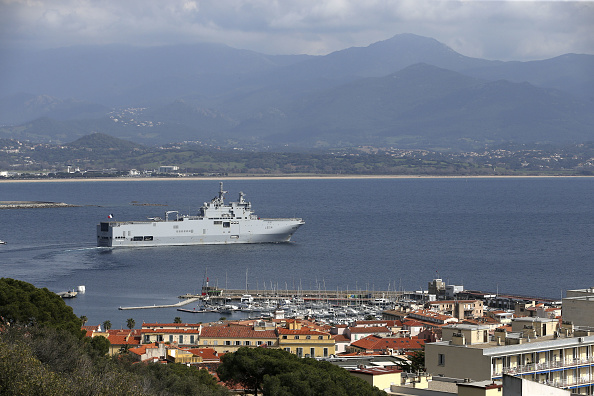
284	337
325	352
205	342
181	339
147	338
441	359
288	349
160	338
269	343
299	352
247	343
308	337
296	337
148	238
227	342
312	352
170	338
320	337
137	238
237	342
215	342
226	224
191	339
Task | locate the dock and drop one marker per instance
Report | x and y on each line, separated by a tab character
179	304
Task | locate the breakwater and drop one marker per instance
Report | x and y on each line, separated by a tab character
33	205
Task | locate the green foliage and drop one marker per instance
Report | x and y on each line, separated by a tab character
417	360
107	325
40	354
276	372
98	346
177	319
45	361
175	379
23	303
21	373
130	323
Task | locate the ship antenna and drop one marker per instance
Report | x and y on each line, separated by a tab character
221	193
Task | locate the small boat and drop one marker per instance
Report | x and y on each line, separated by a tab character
67	294
2	242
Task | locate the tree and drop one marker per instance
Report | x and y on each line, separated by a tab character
130	323
177	319
107	325
98	346
23	303
83	319
277	372
417	361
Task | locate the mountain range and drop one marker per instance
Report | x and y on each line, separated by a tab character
407	91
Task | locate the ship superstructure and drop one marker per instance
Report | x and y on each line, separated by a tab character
215	223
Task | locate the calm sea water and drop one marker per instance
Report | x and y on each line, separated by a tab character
526	236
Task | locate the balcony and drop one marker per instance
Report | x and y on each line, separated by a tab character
585	380
544	367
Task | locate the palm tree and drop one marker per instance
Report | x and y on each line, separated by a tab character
177	320
107	325
84	319
130	323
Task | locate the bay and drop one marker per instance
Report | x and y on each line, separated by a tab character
529	236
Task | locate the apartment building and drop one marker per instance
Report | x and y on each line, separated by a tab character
535	349
306	342
460	309
173	333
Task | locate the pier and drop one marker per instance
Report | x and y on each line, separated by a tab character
179	304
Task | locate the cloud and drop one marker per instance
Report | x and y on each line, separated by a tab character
490	29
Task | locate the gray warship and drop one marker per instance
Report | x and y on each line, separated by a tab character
215	223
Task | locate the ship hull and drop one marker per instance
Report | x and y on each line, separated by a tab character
195	232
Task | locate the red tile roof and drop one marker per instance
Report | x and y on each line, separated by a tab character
340	338
369	330
207	354
140	350
236	332
390	323
300	332
174	325
170	331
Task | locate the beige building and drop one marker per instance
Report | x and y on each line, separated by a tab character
460	309
381	377
306	342
579	308
535	350
231	338
172	333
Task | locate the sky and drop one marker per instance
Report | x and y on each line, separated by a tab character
503	30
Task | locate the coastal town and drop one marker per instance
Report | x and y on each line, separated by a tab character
101	156
445	340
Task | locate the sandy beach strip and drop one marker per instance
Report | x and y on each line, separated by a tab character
288	177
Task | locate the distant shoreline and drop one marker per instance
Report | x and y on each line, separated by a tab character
291	177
